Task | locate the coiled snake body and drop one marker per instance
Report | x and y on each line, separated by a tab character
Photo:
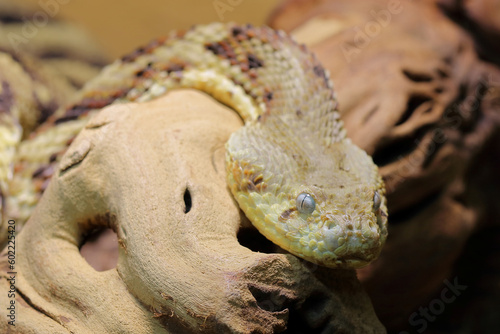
292	170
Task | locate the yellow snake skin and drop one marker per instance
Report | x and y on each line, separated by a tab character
292	170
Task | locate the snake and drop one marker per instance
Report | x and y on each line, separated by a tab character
291	167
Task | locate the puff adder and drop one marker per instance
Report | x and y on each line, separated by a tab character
291	168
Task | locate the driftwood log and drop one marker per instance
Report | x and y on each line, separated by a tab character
154	173
414	93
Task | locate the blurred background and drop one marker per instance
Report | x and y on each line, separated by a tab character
120	26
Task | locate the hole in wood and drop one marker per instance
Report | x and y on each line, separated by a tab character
100	249
187	201
270	301
250	238
417	77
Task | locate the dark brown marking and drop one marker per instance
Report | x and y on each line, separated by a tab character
133	55
258	179
46	110
215	48
42	176
175	68
8	18
65	119
6	98
320	72
89	103
254	62
287	213
236	31
38	172
154	44
44	172
128	58
95	103
73	113
268	96
298	112
119	93
251	186
256	183
226	46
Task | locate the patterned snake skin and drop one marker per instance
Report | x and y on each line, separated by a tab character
292	170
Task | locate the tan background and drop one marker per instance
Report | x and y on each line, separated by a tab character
121	25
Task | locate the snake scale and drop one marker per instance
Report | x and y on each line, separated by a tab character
291	168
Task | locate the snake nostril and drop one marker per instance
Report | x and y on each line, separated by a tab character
187	201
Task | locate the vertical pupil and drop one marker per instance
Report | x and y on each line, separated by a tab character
303	200
305	203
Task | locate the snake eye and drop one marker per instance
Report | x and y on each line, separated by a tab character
377	201
305	203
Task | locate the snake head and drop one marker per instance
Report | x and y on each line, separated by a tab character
337	212
330	209
343	228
